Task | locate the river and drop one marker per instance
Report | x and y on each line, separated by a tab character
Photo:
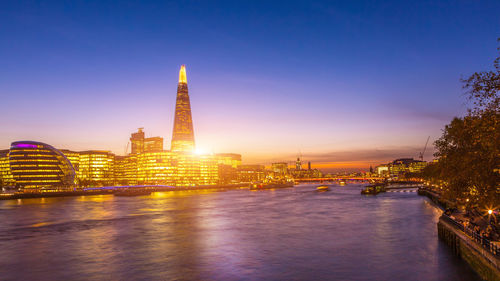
284	234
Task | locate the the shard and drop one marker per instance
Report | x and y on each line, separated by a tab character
182	135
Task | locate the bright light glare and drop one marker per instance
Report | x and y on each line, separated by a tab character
200	151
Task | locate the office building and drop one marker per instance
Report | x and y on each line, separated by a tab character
37	166
6	178
139	143
96	168
183	134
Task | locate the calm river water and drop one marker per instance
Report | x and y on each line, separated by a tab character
285	234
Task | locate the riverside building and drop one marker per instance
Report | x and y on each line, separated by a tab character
148	163
37	166
96	168
6	178
400	167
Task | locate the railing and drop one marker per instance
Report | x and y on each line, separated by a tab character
483	241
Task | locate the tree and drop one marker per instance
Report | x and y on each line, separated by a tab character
469	149
483	88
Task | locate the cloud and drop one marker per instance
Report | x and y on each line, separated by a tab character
365	154
350	160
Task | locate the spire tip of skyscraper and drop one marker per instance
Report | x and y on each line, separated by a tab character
182	74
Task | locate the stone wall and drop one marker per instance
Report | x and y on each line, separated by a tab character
482	261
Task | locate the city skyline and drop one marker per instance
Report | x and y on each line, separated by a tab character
347	99
250	140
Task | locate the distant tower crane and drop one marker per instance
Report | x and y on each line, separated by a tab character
126	148
421	156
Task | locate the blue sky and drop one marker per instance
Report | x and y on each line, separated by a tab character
267	79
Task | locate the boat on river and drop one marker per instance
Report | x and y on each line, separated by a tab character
323	188
373	189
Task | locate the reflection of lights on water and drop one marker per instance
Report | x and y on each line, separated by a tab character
134	215
159	194
149	210
181	193
39	224
96	198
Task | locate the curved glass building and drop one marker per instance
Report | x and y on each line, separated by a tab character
38	166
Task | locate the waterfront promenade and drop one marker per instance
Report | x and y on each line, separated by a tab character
467	237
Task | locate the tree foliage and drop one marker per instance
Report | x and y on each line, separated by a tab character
468	152
483	88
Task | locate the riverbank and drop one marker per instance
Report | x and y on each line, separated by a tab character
482	255
112	190
376	188
436	198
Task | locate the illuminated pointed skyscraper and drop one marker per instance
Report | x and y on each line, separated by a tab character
183	135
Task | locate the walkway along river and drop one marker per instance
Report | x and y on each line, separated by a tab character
286	234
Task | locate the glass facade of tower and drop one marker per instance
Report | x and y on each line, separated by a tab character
156	168
6	178
96	168
183	134
37	166
74	159
125	170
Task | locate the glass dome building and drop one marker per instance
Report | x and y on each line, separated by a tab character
38	166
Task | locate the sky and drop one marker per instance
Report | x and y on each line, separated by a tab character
344	84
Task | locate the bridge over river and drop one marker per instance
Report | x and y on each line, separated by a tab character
340	178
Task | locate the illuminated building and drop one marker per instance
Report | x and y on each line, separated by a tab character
228	164
182	135
401	167
280	168
188	169
137	141
74	159
141	144
382	170
210	170
229	159
96	168
299	173
125	170
156	168
37	166
153	144
251	173
298	164
148	163
6	178
417	166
